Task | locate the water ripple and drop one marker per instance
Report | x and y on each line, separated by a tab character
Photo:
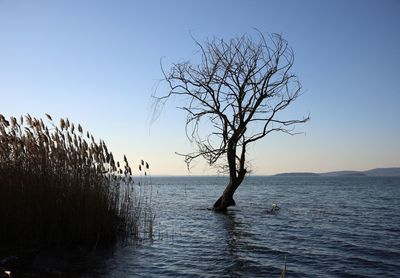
327	227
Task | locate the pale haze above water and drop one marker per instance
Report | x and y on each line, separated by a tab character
98	63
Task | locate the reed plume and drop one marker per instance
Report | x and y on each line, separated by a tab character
58	188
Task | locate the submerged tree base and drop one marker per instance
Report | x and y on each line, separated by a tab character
222	204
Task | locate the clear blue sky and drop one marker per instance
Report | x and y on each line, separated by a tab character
97	63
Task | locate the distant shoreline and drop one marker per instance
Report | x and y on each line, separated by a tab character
376	172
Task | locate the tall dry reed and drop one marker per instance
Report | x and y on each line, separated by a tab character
60	187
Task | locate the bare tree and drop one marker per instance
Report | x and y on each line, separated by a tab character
234	94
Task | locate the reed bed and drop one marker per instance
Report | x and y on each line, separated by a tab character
60	187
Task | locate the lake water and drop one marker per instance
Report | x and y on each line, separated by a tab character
327	227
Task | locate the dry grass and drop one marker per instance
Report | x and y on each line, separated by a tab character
59	187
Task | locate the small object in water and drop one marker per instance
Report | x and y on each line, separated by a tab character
275	208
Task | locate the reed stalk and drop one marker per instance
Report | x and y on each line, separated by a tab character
61	187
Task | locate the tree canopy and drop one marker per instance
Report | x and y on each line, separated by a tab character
235	93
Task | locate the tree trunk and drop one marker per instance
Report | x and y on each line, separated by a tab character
236	177
226	200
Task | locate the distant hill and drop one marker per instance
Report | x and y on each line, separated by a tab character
343	173
297	174
383	172
377	172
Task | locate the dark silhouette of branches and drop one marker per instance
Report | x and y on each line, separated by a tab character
235	93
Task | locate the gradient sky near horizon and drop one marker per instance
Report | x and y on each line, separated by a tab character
98	63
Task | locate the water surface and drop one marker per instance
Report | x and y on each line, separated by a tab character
327	227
